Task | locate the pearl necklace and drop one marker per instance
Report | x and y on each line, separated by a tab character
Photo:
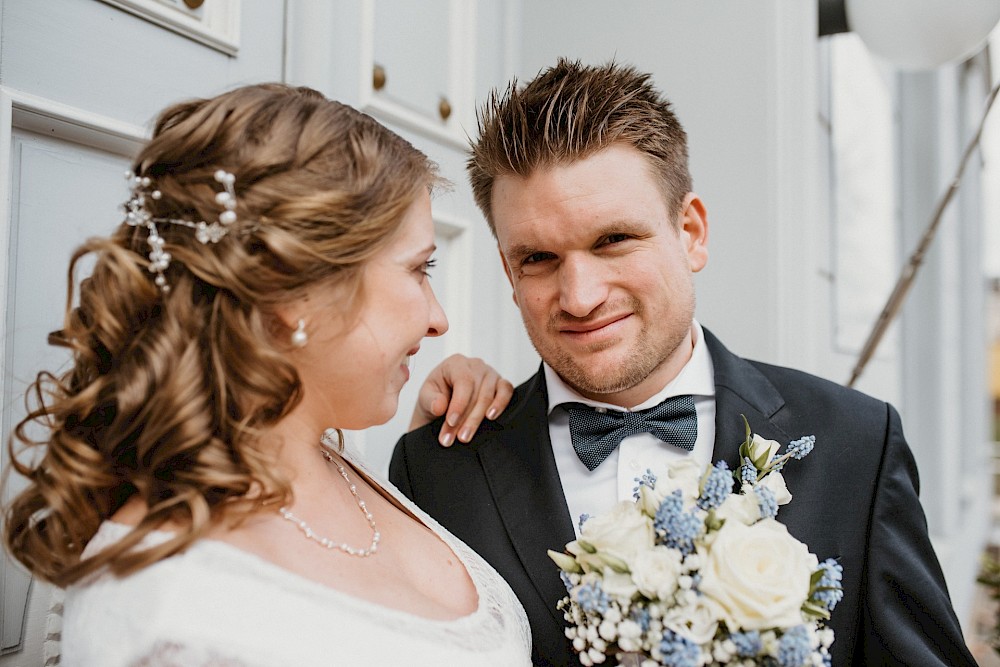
327	439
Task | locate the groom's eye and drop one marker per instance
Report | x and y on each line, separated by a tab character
614	238
536	257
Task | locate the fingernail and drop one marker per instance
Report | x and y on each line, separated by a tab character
492	414
465	435
453	419
446	439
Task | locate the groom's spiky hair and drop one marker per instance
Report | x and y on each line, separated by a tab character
569	112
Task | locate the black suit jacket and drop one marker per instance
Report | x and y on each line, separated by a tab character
854	499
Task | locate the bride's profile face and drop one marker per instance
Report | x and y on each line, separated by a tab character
353	370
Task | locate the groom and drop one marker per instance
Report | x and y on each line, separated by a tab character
582	176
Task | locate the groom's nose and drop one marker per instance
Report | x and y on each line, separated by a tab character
582	285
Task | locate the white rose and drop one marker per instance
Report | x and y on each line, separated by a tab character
698	621
656	571
762	451
758	574
684	474
740	507
776	483
618	585
650	499
617	535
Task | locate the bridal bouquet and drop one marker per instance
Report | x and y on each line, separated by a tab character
692	573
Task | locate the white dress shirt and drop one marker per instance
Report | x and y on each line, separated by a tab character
614	480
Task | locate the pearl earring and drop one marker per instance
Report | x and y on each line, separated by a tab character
299	336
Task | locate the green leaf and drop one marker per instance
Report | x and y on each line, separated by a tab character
745	447
587	546
815	610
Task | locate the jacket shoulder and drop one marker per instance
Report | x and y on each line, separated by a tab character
801	388
525	402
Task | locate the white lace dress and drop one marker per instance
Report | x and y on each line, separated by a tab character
216	605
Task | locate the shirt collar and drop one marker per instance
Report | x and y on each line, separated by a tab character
697	378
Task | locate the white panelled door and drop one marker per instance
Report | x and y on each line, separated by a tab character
80	82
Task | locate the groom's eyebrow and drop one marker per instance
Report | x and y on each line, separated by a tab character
517	252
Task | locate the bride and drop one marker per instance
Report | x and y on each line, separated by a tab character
191	489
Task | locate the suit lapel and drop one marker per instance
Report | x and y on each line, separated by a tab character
522	475
740	389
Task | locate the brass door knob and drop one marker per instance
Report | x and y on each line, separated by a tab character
444	108
378	77
194	4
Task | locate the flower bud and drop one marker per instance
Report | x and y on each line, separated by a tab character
565	562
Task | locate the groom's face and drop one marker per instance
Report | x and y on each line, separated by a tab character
602	271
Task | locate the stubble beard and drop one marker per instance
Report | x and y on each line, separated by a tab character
646	354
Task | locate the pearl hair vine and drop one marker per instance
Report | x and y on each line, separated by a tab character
137	215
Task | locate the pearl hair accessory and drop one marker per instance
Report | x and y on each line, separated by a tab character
299	336
137	215
327	440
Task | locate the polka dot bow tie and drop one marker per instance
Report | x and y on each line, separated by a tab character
596	432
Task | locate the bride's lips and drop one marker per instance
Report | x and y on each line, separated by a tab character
585	331
406	362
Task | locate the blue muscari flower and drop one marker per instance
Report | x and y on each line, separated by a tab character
766	501
566	582
718	484
679	651
829	590
793	647
748	472
676	528
647	479
748	644
641	616
799	448
583	520
591	597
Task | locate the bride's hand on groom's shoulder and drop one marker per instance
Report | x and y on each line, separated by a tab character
466	389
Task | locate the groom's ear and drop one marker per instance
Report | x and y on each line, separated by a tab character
692	226
510	277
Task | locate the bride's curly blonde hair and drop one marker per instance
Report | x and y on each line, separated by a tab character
168	391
